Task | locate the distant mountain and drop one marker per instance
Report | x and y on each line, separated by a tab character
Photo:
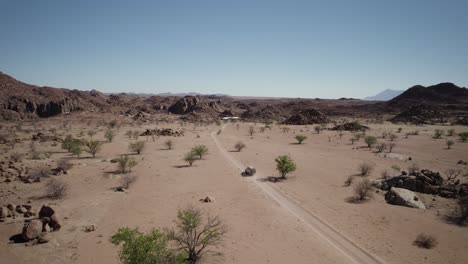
439	94
385	95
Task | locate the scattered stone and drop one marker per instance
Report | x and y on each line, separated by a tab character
462	162
48	215
403	197
420	114
206	200
89	228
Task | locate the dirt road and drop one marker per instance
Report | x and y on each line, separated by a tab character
342	244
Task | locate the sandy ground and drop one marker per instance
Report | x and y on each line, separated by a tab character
261	230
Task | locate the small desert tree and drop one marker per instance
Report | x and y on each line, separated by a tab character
463	136
300	138
451	132
460	214
93	147
370	141
200	151
190	157
109	135
136	146
67	143
195	237
129	134
381	147
285	165
438	133
125	163
450	143
239	146
251	130
317	129
141	248
391	146
392	137
169	144
56	189
76	148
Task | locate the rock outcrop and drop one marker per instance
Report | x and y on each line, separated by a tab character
426	181
403	197
351	126
420	114
307	117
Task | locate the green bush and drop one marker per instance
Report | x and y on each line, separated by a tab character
370	141
136	146
109	135
200	151
300	138
190	157
141	248
285	165
463	136
93	146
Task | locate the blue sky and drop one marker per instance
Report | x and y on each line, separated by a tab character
326	49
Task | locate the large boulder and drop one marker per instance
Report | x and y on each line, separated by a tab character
403	197
48	215
32	230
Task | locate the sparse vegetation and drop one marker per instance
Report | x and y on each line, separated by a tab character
300	138
109	135
370	141
136	146
125	163
438	133
190	157
449	143
392	137
16	156
463	136
200	151
91	133
141	248
460	213
56	189
169	144
239	146
451	132
285	165
365	168
127	180
425	241
193	237
391	146
93	147
381	147
362	190
317	129
251	130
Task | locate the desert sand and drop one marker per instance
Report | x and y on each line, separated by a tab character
304	219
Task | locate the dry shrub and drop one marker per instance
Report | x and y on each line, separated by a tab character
56	189
127	180
39	173
365	168
349	181
362	190
64	164
16	157
425	241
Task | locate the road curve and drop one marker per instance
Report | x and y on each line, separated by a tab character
342	244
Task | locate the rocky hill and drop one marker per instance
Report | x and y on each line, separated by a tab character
443	94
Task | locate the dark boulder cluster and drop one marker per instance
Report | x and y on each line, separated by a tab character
426	181
420	114
350	126
162	132
307	117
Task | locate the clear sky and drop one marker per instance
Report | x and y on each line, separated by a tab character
326	49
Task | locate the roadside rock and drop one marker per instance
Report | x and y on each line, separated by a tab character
403	197
32	230
307	117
